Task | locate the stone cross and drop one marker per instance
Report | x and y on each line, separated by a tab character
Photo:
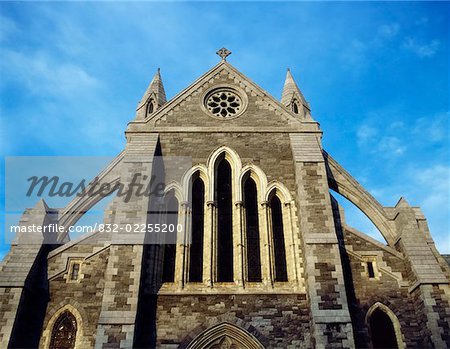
223	53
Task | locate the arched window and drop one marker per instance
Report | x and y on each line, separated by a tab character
150	107
64	332
382	331
252	231
279	249
171	238
196	249
295	106
224	224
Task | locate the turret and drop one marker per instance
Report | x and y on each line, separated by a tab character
154	97
293	99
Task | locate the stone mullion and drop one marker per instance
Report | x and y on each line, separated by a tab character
289	233
267	246
238	231
208	244
211	232
179	278
187	243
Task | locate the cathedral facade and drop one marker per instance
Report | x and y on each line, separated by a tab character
263	257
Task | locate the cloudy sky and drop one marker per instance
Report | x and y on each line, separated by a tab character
376	76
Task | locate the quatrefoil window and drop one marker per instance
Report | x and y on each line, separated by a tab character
224	103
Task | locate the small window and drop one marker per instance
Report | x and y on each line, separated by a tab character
370	270
75	271
295	107
150	107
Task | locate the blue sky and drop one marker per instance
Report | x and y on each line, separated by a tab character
376	76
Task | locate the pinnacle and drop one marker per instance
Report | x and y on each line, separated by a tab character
290	90
155	88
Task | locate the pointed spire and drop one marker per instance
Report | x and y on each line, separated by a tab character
291	90
158	88
154	91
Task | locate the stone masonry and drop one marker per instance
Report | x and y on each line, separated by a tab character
339	280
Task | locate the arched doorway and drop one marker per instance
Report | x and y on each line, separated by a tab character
384	327
64	332
225	336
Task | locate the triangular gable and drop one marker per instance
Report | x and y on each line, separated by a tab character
240	81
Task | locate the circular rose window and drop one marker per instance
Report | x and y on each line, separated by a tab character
224	103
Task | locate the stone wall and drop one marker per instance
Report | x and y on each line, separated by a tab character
271	152
281	320
387	287
84	295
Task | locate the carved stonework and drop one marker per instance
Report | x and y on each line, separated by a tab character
225	343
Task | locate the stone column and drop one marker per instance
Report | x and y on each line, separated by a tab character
266	246
208	247
180	263
331	322
213	236
292	264
238	231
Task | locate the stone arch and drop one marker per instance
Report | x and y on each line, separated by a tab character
81	204
378	306
81	340
278	189
176	189
258	176
343	183
227	333
236	165
202	172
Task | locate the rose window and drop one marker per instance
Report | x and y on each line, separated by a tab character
223	103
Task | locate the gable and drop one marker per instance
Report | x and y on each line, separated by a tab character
188	108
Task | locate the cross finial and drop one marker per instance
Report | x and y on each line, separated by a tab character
223	53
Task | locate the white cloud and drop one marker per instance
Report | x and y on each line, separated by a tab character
422	50
436	178
369	137
388	31
366	133
431	188
391	146
44	75
432	129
